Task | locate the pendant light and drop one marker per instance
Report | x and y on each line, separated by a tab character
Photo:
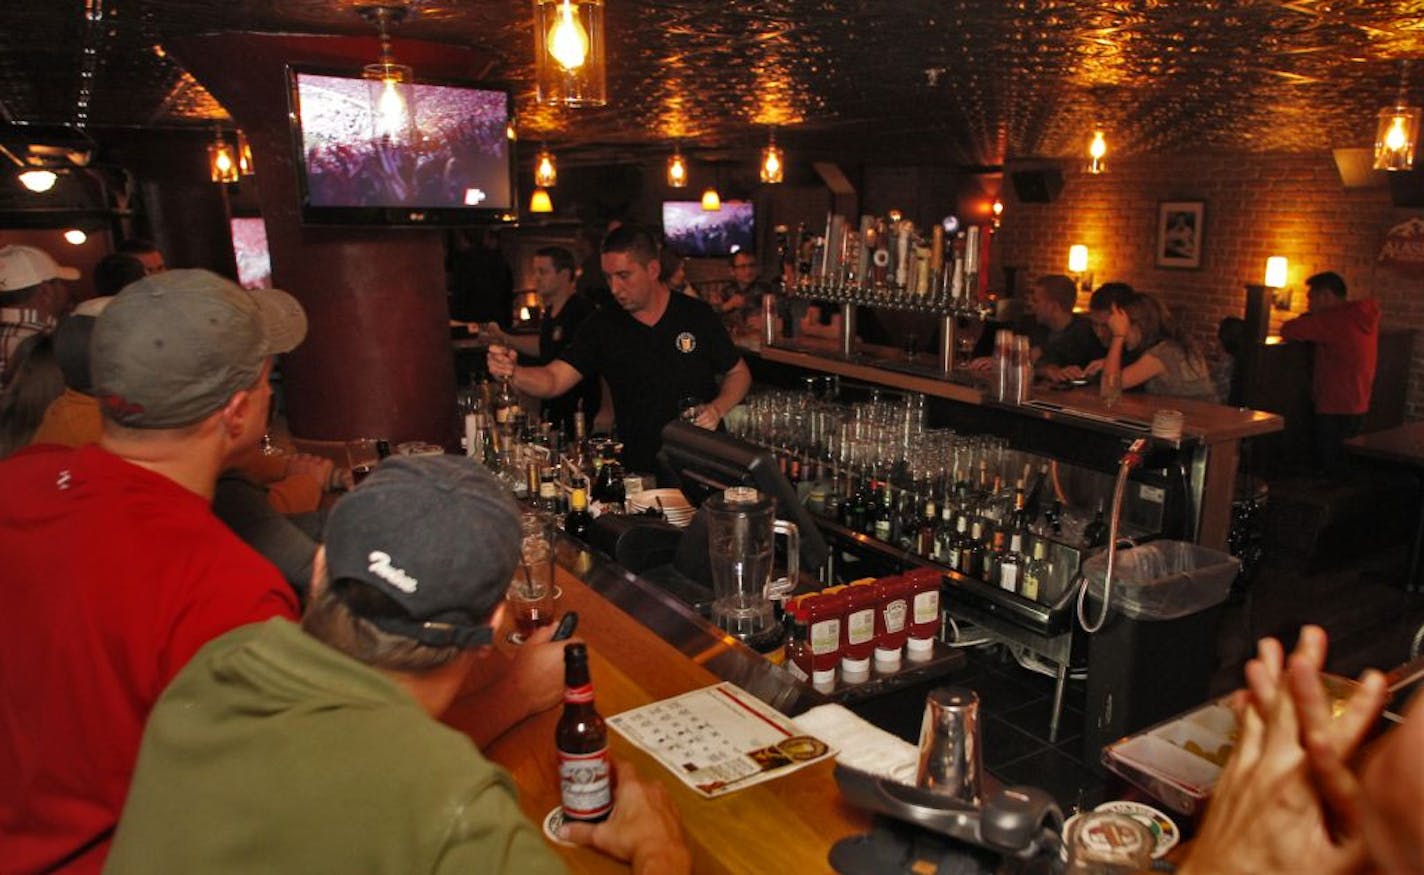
391	91
1097	150
38	181
773	161
569	61
676	169
222	160
244	155
711	201
540	202
546	172
1397	133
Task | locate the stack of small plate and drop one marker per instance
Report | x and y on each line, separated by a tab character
673	502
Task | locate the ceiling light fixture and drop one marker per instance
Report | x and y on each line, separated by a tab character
1397	133
222	160
38	181
1097	150
711	201
773	161
391	91
546	172
540	202
676	169
569	61
244	155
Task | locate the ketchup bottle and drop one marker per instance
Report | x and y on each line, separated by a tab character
824	613
922	587
892	622
858	630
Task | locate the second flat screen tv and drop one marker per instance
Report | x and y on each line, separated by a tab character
694	232
454	165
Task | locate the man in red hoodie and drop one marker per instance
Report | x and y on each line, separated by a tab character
1346	338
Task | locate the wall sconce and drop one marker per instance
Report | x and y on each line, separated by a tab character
245	166
773	162
997	209
391	91
546	173
1097	151
222	160
1277	270
540	202
75	237
676	169
569	62
38	181
1078	266
711	201
1398	130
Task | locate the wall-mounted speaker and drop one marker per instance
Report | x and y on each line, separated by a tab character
1037	186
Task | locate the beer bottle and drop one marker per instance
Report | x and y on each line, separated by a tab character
585	770
579	519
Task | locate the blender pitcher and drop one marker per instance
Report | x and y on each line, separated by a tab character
741	526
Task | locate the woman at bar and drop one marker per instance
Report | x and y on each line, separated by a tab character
1169	362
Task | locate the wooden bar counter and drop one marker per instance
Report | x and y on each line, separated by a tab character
788	823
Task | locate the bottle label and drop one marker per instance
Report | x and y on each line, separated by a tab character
578	695
860	626
585	784
1009	576
796	671
894	615
578	499
882	530
548	489
927	607
1030	585
825	636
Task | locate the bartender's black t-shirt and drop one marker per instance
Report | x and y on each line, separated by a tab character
555	333
650	368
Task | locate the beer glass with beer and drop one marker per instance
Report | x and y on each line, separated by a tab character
531	593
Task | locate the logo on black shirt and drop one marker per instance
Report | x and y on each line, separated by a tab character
686	342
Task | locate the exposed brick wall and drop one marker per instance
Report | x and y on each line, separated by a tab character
1256	206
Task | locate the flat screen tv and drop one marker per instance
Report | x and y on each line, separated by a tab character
249	246
456	168
694	232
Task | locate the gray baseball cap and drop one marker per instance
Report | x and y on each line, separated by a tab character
173	347
438	535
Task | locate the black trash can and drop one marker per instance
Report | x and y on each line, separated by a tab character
1155	654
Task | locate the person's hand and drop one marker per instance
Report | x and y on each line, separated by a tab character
643	830
536	672
1266	814
1118	322
1093	367
316	467
501	361
982	364
1052	373
1072	372
492	331
708	416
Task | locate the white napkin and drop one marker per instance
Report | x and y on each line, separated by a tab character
862	745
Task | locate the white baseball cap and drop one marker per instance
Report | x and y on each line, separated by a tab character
25	266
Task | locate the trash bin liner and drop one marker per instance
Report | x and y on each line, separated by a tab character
1163	580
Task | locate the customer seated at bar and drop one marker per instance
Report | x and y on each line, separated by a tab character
1060	339
315	748
1295	796
1168	361
116	571
653	350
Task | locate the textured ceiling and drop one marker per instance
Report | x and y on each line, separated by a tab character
969	82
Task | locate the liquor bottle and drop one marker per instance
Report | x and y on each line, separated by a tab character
973	551
1095	533
551	498
882	516
1054	517
993	553
506	404
585	770
1037	572
1009	567
925	536
944	538
609	494
1033	503
578	519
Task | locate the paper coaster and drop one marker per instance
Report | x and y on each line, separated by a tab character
1164	830
552	821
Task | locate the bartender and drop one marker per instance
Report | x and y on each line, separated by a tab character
656	351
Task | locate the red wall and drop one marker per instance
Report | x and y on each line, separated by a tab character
1256	206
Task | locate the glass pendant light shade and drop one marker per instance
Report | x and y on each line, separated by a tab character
676	170
569	62
546	172
38	181
1396	137
711	201
222	160
390	87
1097	152
773	161
540	202
244	155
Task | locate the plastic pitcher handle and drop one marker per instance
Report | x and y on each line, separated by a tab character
784	586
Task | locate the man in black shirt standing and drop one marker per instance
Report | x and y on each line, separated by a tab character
564	311
655	350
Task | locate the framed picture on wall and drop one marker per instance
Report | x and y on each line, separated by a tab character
1179	233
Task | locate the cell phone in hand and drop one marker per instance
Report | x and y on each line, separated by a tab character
567	624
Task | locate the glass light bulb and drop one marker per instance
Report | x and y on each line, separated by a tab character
75	237
568	41
1099	147
391	107
224	161
1397	138
676	172
38	181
